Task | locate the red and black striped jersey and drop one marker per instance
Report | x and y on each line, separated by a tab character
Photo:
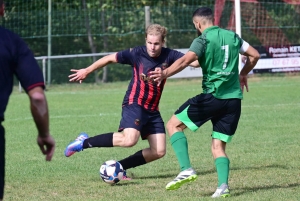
142	90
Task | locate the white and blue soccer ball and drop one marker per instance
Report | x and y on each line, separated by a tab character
111	172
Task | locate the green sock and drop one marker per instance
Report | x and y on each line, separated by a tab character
222	165
180	146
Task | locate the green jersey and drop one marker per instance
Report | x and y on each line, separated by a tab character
218	54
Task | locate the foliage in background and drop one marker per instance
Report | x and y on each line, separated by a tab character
89	26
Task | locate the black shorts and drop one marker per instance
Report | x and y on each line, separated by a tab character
147	122
2	160
223	113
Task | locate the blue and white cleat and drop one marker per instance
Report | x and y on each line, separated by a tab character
76	145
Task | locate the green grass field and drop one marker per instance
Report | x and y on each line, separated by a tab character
264	153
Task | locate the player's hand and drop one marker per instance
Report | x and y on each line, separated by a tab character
78	75
244	82
47	146
157	75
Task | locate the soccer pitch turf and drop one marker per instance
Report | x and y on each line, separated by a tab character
264	153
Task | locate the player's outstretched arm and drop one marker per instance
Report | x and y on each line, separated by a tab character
39	111
81	74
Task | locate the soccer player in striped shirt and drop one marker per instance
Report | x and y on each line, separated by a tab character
140	112
217	51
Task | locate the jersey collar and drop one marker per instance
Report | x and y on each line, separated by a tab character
210	28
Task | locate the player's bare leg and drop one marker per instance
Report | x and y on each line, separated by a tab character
156	150
218	148
128	138
222	166
157	147
179	143
174	125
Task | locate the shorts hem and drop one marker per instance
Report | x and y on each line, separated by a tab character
221	136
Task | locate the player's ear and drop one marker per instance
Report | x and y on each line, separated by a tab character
199	25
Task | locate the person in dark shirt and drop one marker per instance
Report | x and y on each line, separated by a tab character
140	113
17	59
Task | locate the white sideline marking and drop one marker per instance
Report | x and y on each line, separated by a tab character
275	105
119	114
67	116
113	91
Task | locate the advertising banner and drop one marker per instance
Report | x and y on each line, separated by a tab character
278	59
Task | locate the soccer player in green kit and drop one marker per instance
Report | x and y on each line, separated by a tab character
217	51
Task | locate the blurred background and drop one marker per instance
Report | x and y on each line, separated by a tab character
89	29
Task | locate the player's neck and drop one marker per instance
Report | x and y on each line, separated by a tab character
156	56
204	27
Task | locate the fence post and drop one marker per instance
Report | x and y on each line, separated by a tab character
44	69
147	16
49	40
237	7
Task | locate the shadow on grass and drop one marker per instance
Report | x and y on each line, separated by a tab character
240	191
205	172
169	175
126	183
259	188
261	167
213	171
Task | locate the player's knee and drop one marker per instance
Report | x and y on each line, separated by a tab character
218	149
170	127
159	154
129	139
129	143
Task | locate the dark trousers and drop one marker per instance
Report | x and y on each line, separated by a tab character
2	160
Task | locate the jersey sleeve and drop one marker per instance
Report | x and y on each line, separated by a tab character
27	69
175	55
125	57
198	46
244	47
243	44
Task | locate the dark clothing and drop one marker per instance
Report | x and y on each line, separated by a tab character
145	121
15	59
141	89
223	113
2	160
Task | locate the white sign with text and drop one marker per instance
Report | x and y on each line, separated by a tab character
188	72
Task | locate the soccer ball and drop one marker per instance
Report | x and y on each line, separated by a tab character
111	172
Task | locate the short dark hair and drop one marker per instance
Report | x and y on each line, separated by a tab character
203	12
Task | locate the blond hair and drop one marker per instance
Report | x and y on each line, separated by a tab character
156	29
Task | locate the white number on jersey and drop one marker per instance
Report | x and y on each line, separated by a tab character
226	48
